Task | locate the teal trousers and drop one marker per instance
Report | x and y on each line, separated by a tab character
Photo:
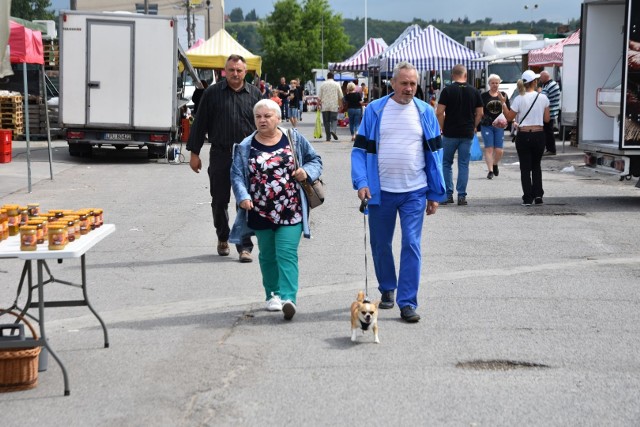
279	260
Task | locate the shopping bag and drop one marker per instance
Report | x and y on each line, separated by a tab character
476	150
317	131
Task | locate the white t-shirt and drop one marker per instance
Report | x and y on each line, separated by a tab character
401	154
521	105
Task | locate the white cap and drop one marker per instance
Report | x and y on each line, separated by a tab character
529	76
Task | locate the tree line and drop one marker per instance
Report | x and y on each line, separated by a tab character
295	37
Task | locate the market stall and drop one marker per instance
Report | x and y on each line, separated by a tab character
213	53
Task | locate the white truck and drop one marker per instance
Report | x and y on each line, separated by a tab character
119	81
609	86
503	53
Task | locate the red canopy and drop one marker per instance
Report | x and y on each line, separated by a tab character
552	55
26	45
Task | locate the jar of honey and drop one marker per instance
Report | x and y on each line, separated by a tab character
28	240
13	211
33	209
98	214
92	218
71	229
39	224
84	223
58	237
4	224
24	215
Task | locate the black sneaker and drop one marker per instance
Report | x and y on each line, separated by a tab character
526	203
387	299
538	201
462	201
408	314
496	171
490	175
449	200
333	134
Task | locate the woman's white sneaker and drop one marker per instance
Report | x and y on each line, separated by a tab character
274	303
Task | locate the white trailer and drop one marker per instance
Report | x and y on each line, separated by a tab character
609	86
118	81
503	54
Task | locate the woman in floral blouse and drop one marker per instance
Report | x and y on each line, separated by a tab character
272	204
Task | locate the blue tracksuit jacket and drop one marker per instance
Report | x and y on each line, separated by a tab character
364	155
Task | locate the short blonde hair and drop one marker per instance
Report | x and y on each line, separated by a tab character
494	77
351	86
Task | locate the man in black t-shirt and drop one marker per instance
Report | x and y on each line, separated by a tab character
459	111
283	94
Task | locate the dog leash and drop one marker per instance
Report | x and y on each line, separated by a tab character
364	208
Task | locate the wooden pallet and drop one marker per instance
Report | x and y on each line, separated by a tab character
15	115
11	98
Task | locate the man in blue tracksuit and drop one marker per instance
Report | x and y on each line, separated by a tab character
396	163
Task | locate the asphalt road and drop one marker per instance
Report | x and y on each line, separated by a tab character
529	315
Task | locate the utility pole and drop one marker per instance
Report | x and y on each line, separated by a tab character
365	22
322	45
189	23
146	7
73	5
208	20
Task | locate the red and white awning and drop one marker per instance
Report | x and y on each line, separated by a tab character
552	55
359	61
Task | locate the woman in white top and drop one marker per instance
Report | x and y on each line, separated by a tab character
531	111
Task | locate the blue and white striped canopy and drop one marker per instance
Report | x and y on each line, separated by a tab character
434	50
407	35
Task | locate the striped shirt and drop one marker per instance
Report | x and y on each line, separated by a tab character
225	115
401	154
552	90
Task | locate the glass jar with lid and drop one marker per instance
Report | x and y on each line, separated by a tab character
28	238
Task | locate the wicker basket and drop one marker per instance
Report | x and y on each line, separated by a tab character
19	366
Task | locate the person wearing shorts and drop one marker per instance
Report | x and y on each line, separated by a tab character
492	136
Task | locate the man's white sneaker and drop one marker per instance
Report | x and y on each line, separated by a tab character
289	309
274	303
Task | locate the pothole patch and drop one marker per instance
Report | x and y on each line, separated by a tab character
499	365
542	213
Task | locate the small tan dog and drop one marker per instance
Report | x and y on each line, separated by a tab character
364	314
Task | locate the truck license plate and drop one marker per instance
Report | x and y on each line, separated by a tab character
117	136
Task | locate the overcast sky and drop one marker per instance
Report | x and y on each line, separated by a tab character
406	10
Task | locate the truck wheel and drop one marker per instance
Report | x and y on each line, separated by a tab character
79	150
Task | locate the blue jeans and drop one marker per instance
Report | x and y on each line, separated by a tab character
492	136
382	222
450	146
355	115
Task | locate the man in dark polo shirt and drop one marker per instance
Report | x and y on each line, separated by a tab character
225	113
